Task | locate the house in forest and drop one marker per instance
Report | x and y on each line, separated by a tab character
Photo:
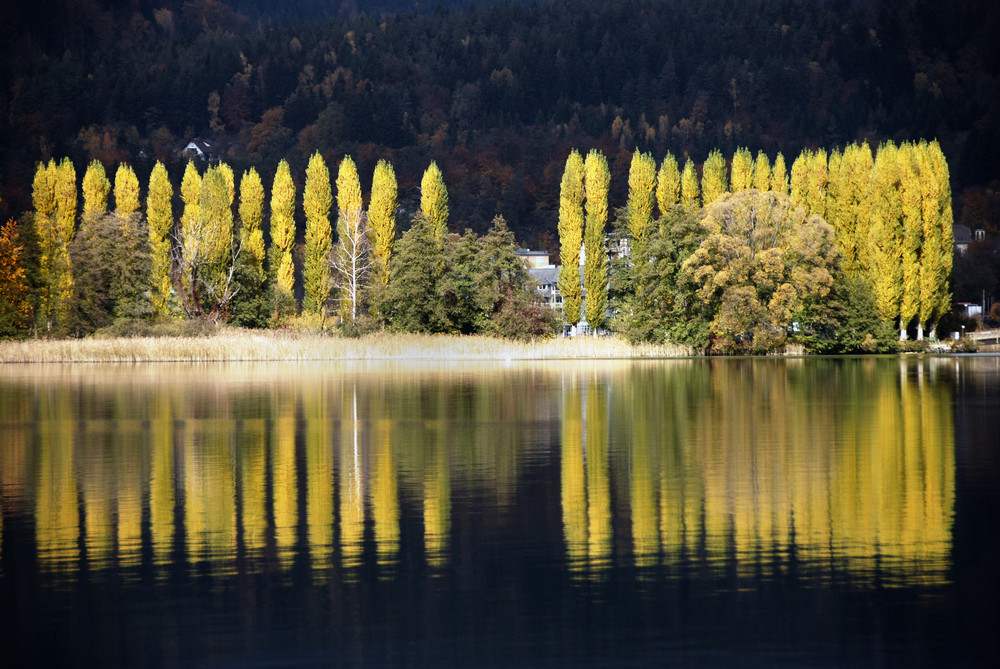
207	151
545	274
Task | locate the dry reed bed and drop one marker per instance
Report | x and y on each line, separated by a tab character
244	345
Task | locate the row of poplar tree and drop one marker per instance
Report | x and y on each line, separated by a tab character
891	219
98	265
213	262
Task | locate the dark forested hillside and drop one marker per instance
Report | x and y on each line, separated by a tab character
496	93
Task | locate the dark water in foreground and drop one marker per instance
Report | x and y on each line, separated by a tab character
681	513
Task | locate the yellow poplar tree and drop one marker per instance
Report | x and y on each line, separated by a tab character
95	190
251	211
160	215
382	219
799	182
434	200
571	219
190	192
317	199
713	178
283	229
350	235
742	172
51	199
779	175
668	184
936	260
912	224
762	172
816	181
596	179
689	187
126	191
65	221
216	229
886	236
853	209
641	197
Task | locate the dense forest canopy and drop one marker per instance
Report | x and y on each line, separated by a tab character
496	93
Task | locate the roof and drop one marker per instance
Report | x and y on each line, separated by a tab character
544	275
962	233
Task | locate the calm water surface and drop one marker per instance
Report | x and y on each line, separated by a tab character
815	512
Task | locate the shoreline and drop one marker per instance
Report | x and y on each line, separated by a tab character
233	345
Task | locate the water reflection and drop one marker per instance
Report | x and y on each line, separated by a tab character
831	470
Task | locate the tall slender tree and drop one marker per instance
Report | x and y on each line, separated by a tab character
713	178
852	220
53	244
912	228
352	247
668	184
317	199
571	223
190	192
936	260
816	183
762	172
283	232
641	198
886	238
382	220
251	211
799	181
126	191
742	170
434	200
689	187
597	178
779	175
160	216
95	190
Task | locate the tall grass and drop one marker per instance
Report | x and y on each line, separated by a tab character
265	345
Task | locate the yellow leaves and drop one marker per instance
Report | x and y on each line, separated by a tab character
760	264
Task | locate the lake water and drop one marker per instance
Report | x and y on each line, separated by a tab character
712	512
